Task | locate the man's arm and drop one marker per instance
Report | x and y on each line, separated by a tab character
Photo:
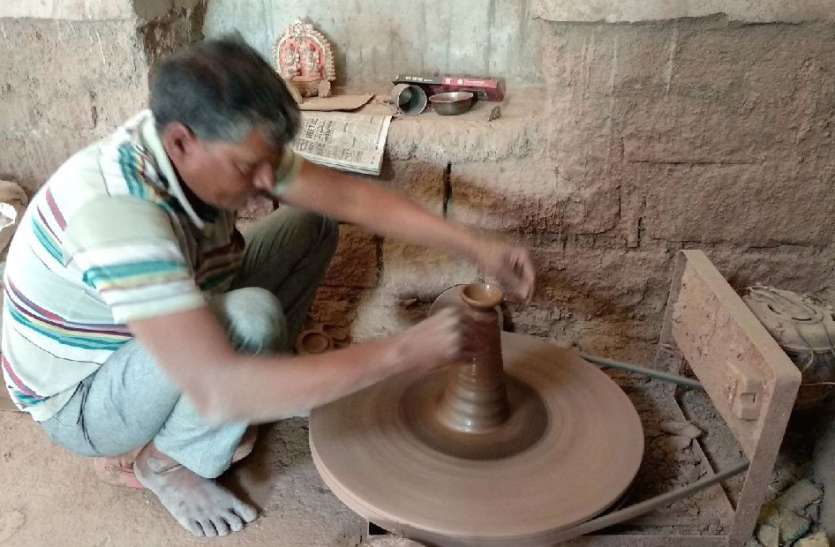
352	199
225	385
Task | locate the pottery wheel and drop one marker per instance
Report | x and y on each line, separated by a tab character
570	447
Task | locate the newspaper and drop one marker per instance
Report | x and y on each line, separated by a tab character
351	142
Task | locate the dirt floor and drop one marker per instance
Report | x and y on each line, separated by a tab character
48	493
51	497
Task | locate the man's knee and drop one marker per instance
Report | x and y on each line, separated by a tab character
255	320
330	229
320	233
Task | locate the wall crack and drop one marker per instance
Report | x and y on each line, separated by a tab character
447	181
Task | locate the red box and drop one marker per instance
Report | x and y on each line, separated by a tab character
485	89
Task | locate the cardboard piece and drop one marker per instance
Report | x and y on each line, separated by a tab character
338	102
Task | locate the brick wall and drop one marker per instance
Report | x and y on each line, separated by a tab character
648	138
72	72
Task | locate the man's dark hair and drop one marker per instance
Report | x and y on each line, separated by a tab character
222	89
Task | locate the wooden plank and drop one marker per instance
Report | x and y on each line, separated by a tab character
750	380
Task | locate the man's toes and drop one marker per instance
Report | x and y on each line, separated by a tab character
208	528
234	521
192	526
221	526
246	512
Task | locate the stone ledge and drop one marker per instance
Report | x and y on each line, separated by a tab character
78	10
632	11
91	10
469	137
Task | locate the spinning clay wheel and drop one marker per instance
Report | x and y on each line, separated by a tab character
525	441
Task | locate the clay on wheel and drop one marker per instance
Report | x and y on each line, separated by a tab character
570	444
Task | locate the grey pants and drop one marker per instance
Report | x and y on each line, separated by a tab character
130	401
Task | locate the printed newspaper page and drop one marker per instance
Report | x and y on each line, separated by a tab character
351	142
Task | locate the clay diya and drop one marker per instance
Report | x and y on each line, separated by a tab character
313	341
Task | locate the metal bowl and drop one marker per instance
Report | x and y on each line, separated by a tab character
452	102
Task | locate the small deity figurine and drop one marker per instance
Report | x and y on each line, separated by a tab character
304	58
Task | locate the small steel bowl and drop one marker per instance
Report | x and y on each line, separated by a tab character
452	103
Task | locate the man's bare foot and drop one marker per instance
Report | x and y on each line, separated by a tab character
118	470
201	506
247	444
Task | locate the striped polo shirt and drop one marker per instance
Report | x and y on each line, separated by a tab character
110	238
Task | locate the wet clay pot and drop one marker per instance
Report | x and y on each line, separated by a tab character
475	399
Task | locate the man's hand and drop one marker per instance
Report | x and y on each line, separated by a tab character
443	338
350	199
226	385
510	265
